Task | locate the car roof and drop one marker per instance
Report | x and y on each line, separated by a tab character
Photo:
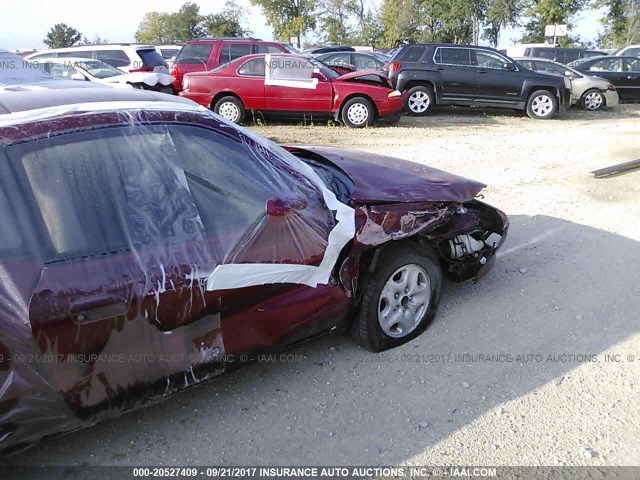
102	46
65	93
66	60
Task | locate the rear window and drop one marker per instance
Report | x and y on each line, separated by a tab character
151	58
412	54
194	53
115	58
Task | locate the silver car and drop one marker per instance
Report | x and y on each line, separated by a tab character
587	91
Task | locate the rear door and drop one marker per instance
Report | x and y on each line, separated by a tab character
632	80
458	74
251	86
293	84
494	83
116	306
613	70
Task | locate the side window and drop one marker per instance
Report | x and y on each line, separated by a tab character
20	234
268	49
570	56
340	58
252	68
453	56
607	65
115	58
97	194
632	65
550	68
294	72
81	54
365	62
486	59
549	53
632	52
61	70
231	51
412	54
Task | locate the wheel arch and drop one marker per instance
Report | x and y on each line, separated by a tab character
220	95
338	112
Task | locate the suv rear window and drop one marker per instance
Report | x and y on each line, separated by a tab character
194	53
412	54
151	58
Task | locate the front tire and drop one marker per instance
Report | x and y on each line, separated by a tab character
593	100
230	108
358	112
542	105
399	299
420	101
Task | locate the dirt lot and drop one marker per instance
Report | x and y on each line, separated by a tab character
564	294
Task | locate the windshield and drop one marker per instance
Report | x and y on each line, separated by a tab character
98	68
324	68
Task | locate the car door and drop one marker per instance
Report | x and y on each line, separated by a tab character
496	84
457	73
294	84
250	85
116	306
632	78
613	70
266	224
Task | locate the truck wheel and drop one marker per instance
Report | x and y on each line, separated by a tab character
230	108
420	101
542	105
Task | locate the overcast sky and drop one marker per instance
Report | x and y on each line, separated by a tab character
24	23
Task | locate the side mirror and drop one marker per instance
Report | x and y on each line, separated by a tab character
78	76
318	76
569	74
508	66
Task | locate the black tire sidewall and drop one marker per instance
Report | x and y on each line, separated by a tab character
366	329
352	101
429	93
236	102
538	93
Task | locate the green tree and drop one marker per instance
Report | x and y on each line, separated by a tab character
400	21
62	35
369	30
227	23
289	18
335	21
178	27
540	13
621	24
498	14
97	40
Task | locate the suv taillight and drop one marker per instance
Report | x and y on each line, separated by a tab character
142	69
174	73
393	66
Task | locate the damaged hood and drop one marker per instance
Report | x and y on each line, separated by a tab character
382	179
366	76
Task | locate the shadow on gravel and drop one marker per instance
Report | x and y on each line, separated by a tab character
557	288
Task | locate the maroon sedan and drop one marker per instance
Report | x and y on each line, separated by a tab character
147	246
293	85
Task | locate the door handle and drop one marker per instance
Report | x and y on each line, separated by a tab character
97	307
439	68
481	71
631	77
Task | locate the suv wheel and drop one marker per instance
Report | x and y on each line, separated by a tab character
542	104
420	101
230	108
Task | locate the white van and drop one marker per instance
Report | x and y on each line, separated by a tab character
127	57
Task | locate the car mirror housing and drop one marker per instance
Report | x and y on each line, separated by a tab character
569	74
508	66
77	76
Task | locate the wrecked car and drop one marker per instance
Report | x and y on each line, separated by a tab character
294	85
147	246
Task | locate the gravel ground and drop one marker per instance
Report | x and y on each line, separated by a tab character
564	295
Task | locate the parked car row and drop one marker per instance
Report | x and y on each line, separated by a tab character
221	74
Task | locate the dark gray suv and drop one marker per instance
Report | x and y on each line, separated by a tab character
468	75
